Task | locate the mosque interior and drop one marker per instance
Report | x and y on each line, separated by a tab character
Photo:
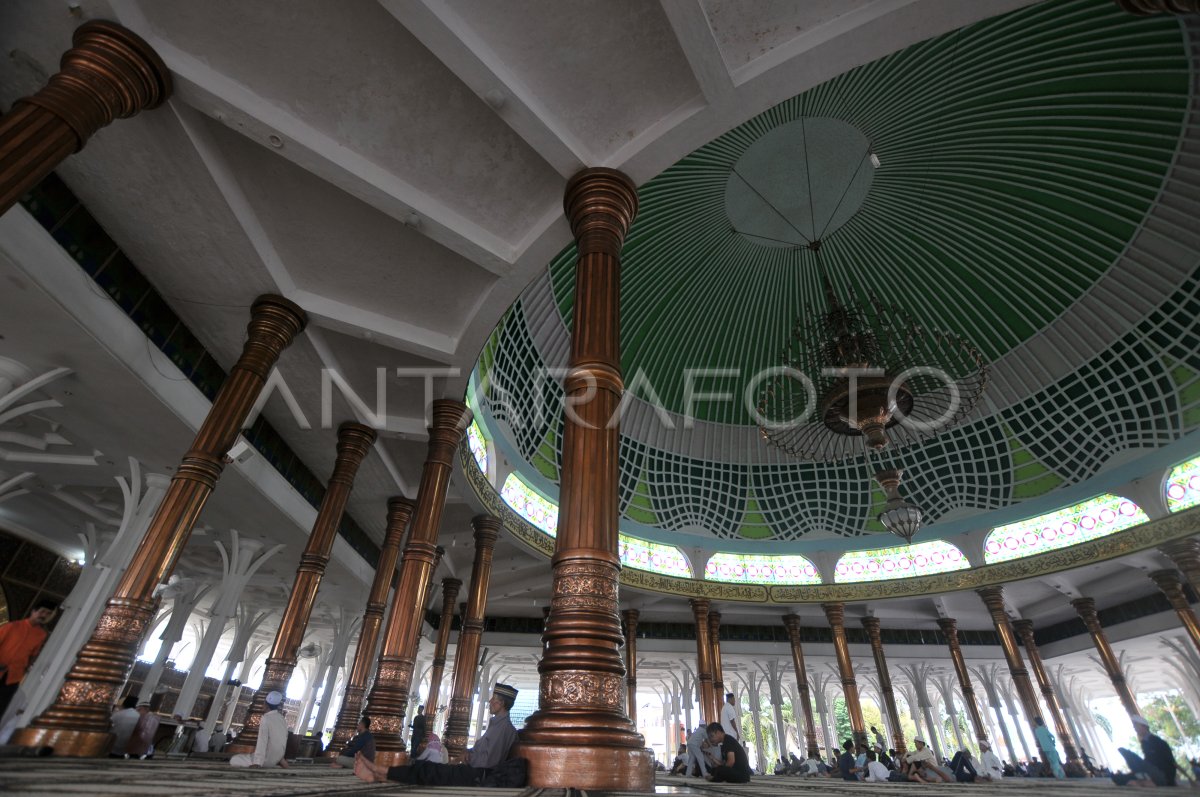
1010	186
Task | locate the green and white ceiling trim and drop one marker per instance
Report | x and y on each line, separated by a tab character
1037	194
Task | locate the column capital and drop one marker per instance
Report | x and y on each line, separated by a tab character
1169	582
400	510
949	626
109	73
714	621
993	599
792	623
1086	609
835	613
1024	629
450	418
600	205
700	607
630	616
354	441
871	626
486	530
450	588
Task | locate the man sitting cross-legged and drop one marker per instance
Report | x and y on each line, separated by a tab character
491	749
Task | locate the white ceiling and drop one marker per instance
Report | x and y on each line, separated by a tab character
396	168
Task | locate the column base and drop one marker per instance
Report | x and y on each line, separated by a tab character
391	758
601	768
66	742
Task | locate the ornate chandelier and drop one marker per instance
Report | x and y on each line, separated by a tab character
898	516
866	370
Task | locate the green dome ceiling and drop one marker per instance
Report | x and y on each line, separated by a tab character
1021	159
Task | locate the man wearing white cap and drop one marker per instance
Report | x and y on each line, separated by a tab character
1156	765
990	767
483	759
272	738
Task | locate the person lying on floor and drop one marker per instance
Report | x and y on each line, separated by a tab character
491	749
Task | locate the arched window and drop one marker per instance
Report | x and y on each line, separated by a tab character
900	561
529	505
652	556
1183	485
752	569
478	444
1096	517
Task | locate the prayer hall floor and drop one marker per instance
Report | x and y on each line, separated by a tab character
73	777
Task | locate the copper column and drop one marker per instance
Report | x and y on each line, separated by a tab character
871	626
949	628
1185	554
1168	582
76	724
836	614
450	588
714	639
388	699
993	599
1086	607
580	735
399	511
710	707
1024	629
792	622
466	658
630	616
109	73
353	443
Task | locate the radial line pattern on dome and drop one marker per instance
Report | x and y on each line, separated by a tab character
1008	148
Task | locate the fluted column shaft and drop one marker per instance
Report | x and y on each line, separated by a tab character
949	628
993	599
709	704
714	639
109	73
1024	629
353	444
399	511
792	623
580	735
871	626
630	616
836	614
77	722
1168	581
450	588
466	659
388	699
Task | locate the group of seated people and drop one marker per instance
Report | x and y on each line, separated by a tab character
134	727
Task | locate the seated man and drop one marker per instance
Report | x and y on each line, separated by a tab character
848	762
680	767
921	766
431	749
876	772
991	769
124	720
489	751
735	764
1154	767
272	738
963	767
362	742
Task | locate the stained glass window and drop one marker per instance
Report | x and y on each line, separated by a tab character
646	555
1071	525
753	569
1183	485
478	446
529	505
900	561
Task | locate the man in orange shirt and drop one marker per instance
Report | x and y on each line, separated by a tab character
20	642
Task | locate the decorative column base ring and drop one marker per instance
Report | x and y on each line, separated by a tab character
77	723
599	768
